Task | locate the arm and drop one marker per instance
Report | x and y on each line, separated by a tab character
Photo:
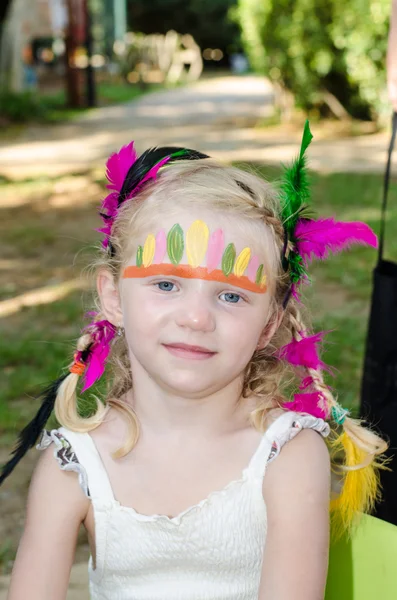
392	57
296	491
55	509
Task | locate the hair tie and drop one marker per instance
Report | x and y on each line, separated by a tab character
78	366
339	414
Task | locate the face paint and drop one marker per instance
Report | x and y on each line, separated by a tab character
222	263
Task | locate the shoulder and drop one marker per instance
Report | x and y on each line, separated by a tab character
302	471
55	486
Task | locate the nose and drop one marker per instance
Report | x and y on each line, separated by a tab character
196	314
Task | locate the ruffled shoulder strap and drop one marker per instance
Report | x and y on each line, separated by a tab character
284	428
77	452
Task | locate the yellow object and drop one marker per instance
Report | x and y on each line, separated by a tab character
148	250
242	262
196	243
360	488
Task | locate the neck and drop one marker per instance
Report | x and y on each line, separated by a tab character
207	413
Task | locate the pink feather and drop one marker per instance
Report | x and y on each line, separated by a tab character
319	238
304	353
110	204
107	230
117	168
102	333
215	248
308	403
118	165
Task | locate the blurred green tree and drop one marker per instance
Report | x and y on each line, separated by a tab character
327	53
206	20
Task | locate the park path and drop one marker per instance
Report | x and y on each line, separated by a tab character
215	115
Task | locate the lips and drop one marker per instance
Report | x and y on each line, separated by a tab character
188	351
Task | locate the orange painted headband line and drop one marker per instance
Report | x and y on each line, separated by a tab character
188	272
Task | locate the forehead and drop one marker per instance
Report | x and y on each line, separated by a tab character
211	246
235	229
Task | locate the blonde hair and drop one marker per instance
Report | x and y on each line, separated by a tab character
356	451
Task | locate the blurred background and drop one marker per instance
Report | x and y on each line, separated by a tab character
233	78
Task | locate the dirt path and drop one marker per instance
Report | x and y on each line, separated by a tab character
217	116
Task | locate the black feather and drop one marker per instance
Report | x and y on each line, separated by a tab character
149	159
29	435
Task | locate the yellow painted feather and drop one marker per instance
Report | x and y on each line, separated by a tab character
360	488
263	281
242	262
196	243
148	250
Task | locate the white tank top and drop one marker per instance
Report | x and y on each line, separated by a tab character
211	551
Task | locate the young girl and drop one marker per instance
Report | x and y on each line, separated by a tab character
196	478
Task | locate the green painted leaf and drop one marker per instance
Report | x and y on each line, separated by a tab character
259	274
228	258
175	244
139	254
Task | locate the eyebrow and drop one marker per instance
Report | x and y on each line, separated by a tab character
188	272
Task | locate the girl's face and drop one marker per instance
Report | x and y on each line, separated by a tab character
194	336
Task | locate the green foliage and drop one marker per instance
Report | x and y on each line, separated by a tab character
317	46
205	20
22	107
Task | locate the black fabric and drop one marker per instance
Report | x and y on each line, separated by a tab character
379	383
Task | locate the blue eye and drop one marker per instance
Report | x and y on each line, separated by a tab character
165	286
232	298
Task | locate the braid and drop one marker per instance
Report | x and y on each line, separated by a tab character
316	377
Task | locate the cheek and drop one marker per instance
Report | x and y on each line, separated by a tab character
142	311
242	331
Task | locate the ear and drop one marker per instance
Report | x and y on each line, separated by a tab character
110	297
270	329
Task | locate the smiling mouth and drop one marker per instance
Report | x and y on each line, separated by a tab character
187	351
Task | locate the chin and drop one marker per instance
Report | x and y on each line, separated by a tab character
185	384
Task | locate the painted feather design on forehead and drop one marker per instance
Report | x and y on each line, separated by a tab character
223	263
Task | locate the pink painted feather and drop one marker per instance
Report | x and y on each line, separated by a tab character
310	404
319	238
118	165
304	353
253	268
216	244
161	247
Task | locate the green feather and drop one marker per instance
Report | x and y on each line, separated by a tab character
297	268
295	187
